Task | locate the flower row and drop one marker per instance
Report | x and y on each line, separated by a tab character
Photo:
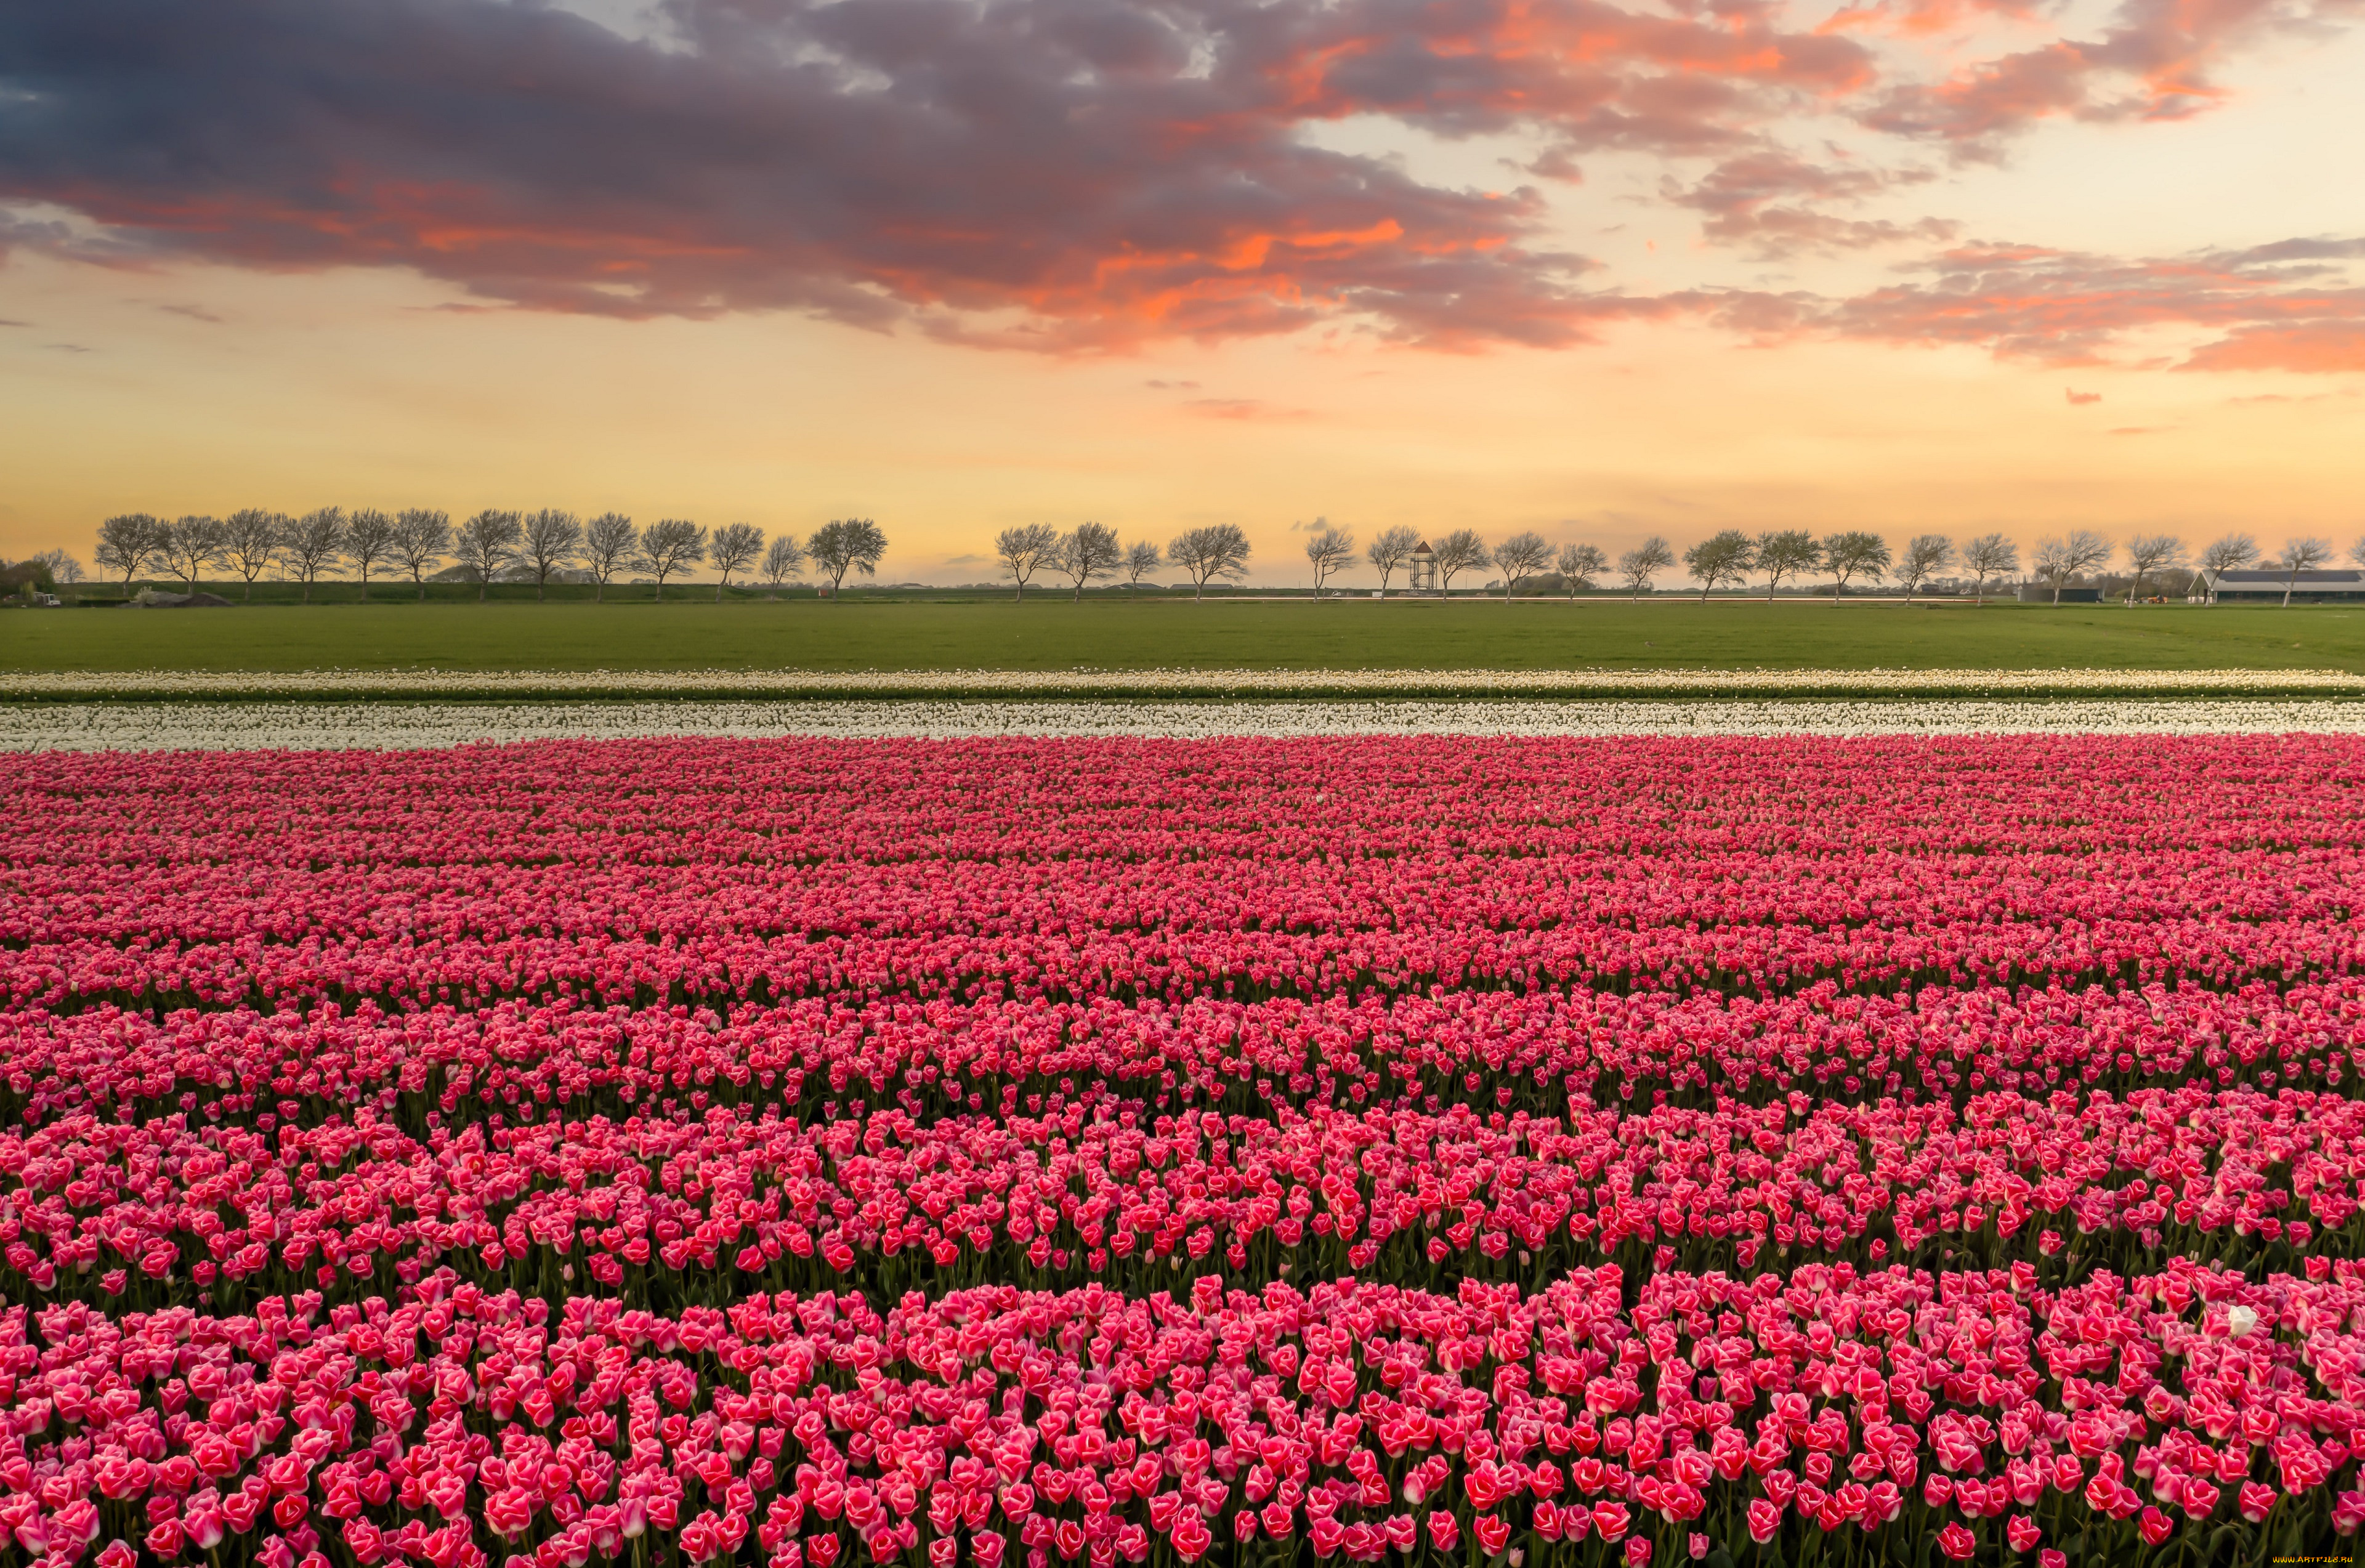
384	726
1490	1051
462	1427
664	1211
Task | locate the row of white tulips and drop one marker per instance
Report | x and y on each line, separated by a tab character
406	725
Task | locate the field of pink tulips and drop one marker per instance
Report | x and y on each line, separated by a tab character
1055	1154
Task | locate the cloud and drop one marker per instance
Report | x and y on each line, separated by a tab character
2154	61
1765	197
2319	346
1055	175
1035	173
2077	397
1173	385
1243	408
194	312
11	321
2137	430
2073	307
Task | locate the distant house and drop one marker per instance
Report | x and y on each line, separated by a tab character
2265	585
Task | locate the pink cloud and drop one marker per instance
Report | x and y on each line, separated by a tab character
2288	307
2154	62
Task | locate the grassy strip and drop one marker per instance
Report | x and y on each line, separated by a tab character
1053	635
462	685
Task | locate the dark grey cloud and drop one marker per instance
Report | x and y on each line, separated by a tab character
1046	173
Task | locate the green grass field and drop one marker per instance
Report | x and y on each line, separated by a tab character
1051	633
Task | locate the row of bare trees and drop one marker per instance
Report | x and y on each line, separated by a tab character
1094	550
533	546
1731	557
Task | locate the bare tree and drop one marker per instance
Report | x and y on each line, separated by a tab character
1853	553
784	560
1722	557
2230	553
1460	551
251	542
369	540
1218	550
1989	556
1926	556
671	544
1026	549
422	536
2058	560
1643	562
1328	551
313	543
189	546
1519	557
1391	550
2149	552
611	544
61	567
548	540
127	542
1579	565
736	547
2300	555
1092	551
846	545
486	544
1141	560
1787	553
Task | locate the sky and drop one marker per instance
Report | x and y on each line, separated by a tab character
1598	270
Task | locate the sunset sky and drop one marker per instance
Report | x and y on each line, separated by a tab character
1600	270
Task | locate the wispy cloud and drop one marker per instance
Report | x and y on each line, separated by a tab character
1243	408
2287	307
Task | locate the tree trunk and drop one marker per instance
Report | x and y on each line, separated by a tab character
483	584
599	593
249	590
718	593
537	589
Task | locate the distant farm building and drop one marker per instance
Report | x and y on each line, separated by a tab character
2264	585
